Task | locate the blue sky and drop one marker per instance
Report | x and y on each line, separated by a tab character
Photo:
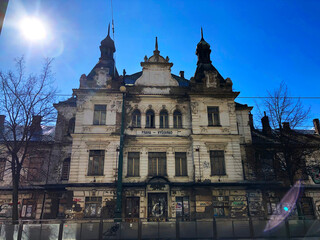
257	44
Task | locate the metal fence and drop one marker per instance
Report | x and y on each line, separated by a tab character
142	229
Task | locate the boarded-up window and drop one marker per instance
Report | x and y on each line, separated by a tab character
93	207
217	162
2	167
133	164
96	162
181	163
177	119
65	169
213	116
157	163
182	208
99	116
164	119
221	206
28	209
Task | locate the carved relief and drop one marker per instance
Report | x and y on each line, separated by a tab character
204	130
194	107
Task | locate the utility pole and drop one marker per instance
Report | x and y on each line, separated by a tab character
118	212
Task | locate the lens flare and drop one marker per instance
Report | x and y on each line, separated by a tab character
285	207
33	28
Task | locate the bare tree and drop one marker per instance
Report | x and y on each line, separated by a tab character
23	96
287	148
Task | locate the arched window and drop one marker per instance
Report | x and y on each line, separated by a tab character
150	119
136	118
71	125
65	169
164	119
177	119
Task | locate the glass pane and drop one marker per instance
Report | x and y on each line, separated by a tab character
71	231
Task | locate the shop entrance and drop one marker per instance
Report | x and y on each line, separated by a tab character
157	207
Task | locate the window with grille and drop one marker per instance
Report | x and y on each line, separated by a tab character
65	169
217	163
164	119
93	207
157	163
136	118
96	163
213	116
177	119
2	167
150	119
99	116
181	163
133	164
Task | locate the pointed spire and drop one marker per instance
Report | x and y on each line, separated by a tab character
109	30
201	34
156	51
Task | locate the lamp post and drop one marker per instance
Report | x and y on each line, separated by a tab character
118	212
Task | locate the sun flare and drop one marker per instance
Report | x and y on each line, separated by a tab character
33	29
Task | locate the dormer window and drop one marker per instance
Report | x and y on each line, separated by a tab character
150	119
164	119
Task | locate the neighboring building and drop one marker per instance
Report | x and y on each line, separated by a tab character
188	148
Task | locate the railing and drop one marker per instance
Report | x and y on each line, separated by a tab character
141	229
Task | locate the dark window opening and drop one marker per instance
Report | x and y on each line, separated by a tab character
136	118
96	163
164	119
99	116
65	169
133	164
213	116
217	163
177	119
150	119
181	163
157	163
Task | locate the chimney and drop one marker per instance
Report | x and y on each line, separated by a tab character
266	129
2	119
251	121
316	126
286	126
181	74
36	123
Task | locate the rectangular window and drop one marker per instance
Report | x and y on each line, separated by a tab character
93	207
2	167
182	208
221	206
181	163
35	172
272	206
217	163
266	159
99	116
306	206
213	116
133	164
157	164
65	169
96	163
132	207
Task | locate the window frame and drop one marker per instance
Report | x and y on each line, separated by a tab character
99	114
163	119
158	159
3	162
97	201
135	161
132	201
213	116
177	119
214	160
101	159
35	166
150	119
65	172
136	118
221	203
181	170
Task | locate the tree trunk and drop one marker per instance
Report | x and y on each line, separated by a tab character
15	193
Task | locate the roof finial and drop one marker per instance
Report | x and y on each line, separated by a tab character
156	43
201	33
109	30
